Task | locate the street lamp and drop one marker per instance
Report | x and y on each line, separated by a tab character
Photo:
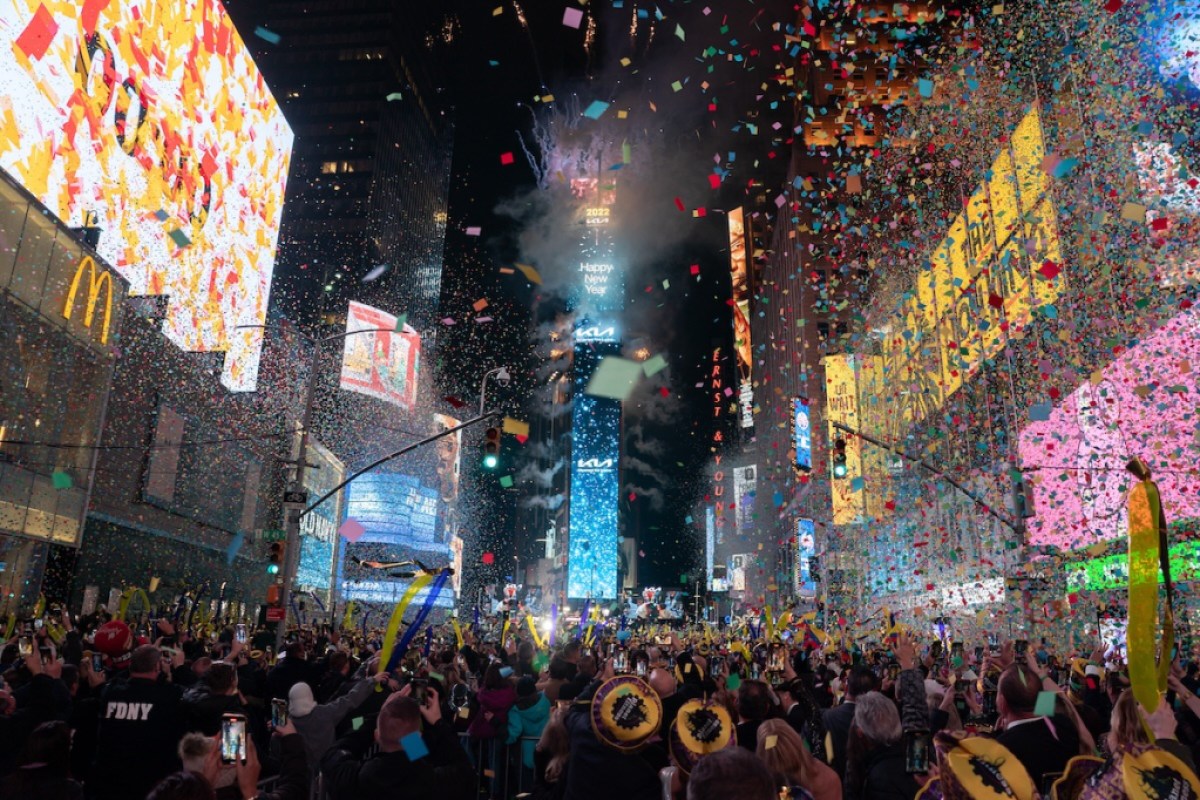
502	378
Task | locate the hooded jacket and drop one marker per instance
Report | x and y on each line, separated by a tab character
318	723
203	710
492	719
527	718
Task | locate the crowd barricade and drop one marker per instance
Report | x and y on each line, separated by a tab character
498	771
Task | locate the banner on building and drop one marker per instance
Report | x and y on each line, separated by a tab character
383	361
841	395
742	343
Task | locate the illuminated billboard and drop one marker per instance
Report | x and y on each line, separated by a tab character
399	516
383	362
710	545
149	120
806	551
999	261
595	489
741	316
318	528
841	396
1142	404
745	488
802	434
1112	572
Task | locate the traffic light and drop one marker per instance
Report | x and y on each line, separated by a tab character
491	448
275	555
839	458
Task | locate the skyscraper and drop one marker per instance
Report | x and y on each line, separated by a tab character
362	83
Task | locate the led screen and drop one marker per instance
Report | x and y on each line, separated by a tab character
745	489
318	528
149	120
802	433
742	344
382	362
399	515
710	544
806	550
1143	404
592	550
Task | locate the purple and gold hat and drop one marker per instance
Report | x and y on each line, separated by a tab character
701	728
626	712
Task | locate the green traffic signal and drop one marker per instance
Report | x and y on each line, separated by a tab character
490	461
272	569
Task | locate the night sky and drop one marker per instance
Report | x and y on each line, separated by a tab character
680	137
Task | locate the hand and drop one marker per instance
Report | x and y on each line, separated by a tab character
608	672
286	730
380	678
166	627
33	662
906	654
432	709
53	668
212	764
1006	656
247	773
234	649
1175	684
948	699
1162	722
1032	662
177	658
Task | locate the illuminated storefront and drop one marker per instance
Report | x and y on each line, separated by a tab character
61	309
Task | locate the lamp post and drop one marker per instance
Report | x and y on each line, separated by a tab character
502	377
291	514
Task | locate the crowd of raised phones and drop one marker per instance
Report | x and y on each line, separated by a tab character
97	708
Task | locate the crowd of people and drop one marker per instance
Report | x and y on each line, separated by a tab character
98	708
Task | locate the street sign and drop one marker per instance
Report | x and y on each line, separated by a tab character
297	498
275	614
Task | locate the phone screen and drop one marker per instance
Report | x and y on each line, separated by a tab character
240	633
916	753
25	646
1020	647
956	649
620	661
97	662
279	712
233	739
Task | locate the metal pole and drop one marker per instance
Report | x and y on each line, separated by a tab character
397	454
291	516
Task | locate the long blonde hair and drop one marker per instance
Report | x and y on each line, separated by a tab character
788	757
1127	726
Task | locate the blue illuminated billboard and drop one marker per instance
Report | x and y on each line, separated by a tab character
399	516
806	551
318	529
802	433
595	491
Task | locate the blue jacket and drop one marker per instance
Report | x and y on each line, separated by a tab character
528	720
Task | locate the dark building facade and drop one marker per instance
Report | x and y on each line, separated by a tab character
365	216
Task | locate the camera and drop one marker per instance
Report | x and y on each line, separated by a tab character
279	712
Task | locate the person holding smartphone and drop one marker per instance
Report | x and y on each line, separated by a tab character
140	725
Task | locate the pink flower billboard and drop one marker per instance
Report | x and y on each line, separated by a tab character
1145	403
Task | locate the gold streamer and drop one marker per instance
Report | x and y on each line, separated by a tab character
537	640
1148	668
393	627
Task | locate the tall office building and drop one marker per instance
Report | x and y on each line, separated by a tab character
594	503
362	85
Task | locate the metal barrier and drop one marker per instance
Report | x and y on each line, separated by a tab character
500	775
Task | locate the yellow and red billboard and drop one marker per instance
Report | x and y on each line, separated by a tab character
742	345
382	356
149	120
841	397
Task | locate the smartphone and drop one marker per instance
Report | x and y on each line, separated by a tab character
239	633
979	653
893	671
233	738
25	646
97	662
1021	647
777	659
989	704
279	713
917	749
620	660
37	624
956	650
640	668
420	685
935	650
